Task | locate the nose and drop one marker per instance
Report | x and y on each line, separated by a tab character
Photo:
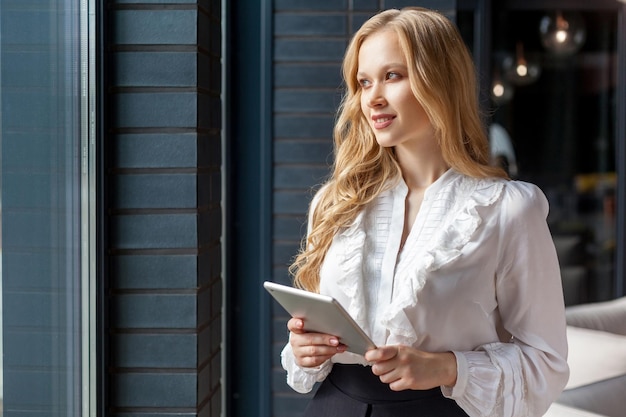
376	97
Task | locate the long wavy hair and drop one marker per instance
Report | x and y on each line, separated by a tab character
442	78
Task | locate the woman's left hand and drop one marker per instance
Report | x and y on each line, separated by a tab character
403	367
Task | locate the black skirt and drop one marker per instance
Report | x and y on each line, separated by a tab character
354	391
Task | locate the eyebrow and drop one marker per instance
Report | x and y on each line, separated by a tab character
387	68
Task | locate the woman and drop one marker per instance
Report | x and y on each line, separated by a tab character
447	264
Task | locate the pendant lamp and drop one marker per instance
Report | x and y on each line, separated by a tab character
521	70
562	33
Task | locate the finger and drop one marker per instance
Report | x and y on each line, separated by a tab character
316	350
314	355
383	353
311	361
398	385
295	325
390	377
315	339
383	368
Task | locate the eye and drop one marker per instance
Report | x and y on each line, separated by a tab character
392	75
364	83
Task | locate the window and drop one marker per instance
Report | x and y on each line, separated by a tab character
554	77
47	206
551	85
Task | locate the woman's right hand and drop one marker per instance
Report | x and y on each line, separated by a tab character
312	349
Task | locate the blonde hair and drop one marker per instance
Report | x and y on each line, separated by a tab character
442	78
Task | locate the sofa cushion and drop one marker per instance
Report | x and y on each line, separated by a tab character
597	362
603	397
594	356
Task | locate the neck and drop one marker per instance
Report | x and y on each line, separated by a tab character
419	170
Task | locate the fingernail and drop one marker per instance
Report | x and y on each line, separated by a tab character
334	342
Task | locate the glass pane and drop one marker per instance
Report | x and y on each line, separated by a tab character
554	78
465	23
40	100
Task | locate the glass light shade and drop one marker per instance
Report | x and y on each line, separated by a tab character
520	70
501	90
562	33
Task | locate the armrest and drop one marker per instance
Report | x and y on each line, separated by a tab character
608	316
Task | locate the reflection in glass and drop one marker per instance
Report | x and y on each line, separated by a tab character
40	142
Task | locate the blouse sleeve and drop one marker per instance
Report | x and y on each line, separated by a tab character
524	376
301	379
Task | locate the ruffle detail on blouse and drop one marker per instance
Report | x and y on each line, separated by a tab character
351	261
507	357
302	380
457	228
477	387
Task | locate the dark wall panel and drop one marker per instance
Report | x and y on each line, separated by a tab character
163	207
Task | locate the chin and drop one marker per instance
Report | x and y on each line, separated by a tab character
386	143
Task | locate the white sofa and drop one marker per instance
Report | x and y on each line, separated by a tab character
597	358
560	410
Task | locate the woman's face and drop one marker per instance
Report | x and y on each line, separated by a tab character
387	102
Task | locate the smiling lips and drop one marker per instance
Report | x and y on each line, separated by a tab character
381	121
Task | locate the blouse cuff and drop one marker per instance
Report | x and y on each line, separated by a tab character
461	377
302	379
476	385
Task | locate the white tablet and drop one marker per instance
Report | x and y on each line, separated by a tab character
321	314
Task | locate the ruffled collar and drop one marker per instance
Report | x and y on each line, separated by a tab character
461	195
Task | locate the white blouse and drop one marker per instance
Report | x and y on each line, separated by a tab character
478	276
